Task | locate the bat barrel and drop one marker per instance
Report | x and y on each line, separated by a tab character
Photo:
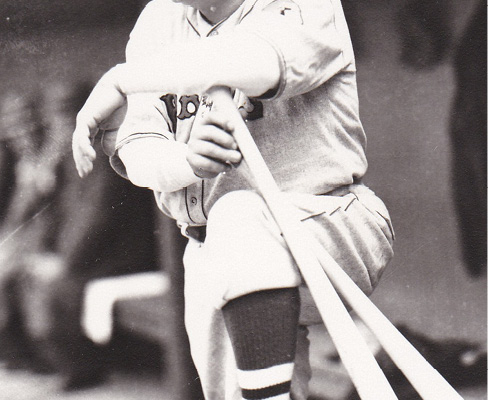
428	382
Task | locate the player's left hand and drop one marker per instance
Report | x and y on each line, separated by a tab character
212	149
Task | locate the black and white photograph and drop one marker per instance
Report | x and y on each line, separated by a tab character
243	200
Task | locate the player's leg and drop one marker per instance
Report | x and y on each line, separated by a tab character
355	229
211	348
354	226
209	279
263	331
242	238
259	295
352	223
258	277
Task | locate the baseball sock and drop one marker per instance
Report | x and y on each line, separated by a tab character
263	330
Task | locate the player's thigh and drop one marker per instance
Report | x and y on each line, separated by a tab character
245	249
356	231
245	252
359	239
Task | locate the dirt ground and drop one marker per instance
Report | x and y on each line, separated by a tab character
22	385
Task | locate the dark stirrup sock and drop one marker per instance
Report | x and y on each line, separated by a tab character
263	330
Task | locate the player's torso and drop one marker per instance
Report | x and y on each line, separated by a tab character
308	145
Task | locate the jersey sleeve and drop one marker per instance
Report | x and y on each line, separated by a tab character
148	32
310	37
146	114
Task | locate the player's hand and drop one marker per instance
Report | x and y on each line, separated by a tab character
212	149
83	152
105	99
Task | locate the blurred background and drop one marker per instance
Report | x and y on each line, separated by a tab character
422	89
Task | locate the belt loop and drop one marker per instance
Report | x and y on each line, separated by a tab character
183	229
197	232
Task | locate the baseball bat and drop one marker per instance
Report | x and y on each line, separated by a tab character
358	360
313	260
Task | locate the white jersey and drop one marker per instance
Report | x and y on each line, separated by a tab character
308	130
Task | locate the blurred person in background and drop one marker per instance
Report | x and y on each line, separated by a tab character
58	233
428	37
23	191
468	137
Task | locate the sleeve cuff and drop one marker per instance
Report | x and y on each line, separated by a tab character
157	164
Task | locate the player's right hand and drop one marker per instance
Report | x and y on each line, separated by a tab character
83	152
212	149
105	99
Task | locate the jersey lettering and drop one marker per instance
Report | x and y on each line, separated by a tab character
169	101
182	108
187	106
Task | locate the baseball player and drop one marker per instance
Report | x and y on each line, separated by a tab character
291	66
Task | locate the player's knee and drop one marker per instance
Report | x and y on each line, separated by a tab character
245	250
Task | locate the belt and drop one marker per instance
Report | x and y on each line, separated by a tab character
198	233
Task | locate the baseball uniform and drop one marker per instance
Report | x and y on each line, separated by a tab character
310	135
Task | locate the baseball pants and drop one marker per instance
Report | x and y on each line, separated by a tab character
244	252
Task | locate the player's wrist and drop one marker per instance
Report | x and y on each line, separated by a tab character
114	78
105	98
85	118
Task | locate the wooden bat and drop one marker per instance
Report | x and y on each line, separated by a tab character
312	260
